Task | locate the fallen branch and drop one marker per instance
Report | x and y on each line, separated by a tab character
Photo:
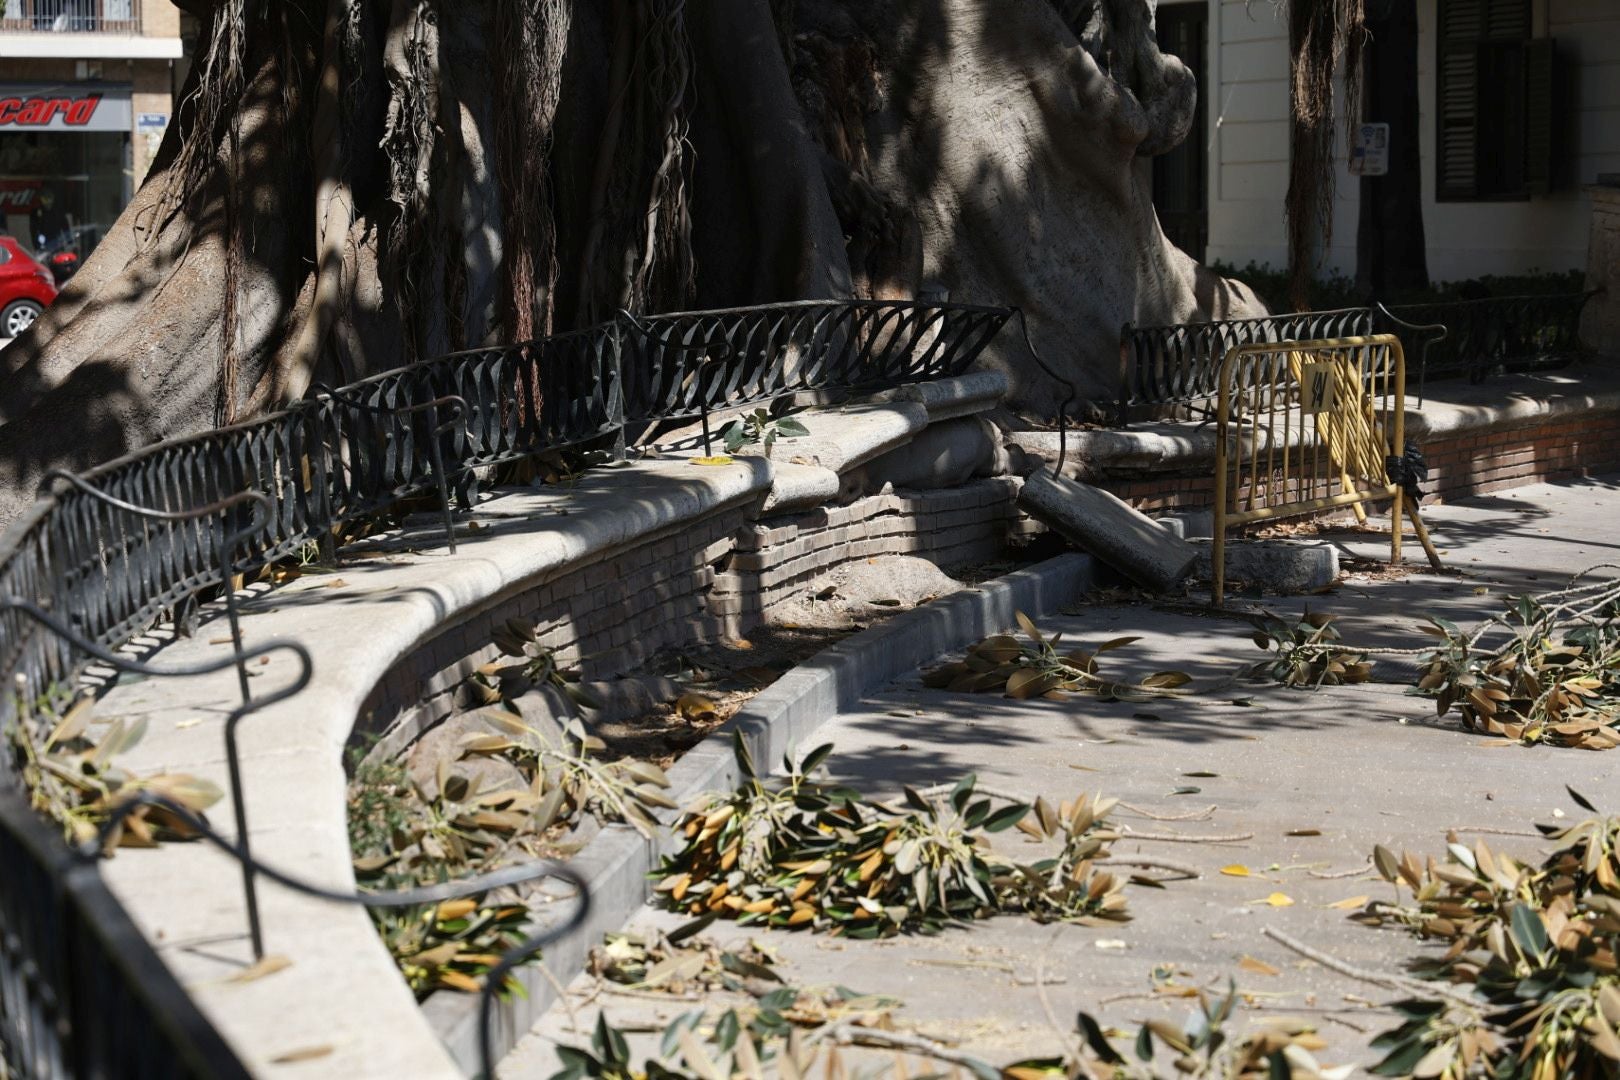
1417	988
1128	833
648	995
1334	875
1184	869
1192	815
1497	832
562	993
859	1035
1075	1050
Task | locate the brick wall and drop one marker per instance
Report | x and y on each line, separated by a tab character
602	616
1469	463
702	580
1564	449
776	560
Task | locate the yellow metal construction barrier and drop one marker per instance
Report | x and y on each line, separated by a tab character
1306	426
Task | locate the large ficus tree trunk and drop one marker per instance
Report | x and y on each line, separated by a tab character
353	184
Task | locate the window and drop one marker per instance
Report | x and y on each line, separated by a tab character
1494	95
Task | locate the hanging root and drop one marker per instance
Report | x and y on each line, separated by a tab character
411	61
1324	35
528	45
639	204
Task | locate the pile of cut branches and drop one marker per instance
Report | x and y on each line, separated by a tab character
1556	679
803	854
1532	955
1307	653
403	836
1038	669
796	1033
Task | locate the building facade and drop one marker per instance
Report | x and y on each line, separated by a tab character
87	88
1518	115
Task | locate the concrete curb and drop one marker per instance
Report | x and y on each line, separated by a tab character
778	721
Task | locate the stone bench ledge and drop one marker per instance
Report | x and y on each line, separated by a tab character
1449	409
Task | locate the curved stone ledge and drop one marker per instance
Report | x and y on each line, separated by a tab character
401	600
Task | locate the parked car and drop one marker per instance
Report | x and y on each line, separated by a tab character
26	288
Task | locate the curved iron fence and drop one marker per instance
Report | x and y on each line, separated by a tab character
1165	368
1180	364
109	554
1512	333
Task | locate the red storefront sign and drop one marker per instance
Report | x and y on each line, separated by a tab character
40	111
64	106
19	196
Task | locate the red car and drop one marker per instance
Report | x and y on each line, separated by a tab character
26	288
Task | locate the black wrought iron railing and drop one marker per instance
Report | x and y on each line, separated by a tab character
1171	370
107	555
1499	333
1179	365
82	994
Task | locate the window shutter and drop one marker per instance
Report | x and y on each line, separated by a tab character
1462	24
1539	79
1494	98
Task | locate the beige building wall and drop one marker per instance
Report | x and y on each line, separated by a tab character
1249	150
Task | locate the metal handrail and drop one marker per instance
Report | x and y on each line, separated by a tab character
233	540
1433	333
459	412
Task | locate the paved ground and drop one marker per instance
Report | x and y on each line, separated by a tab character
1363	765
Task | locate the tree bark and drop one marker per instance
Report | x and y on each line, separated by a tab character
354	183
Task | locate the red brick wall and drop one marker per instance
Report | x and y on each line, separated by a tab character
1471	463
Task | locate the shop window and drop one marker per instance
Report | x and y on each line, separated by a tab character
1495	102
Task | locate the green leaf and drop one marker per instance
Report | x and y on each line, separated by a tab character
1529	931
608	1042
1144	1044
686	930
790	428
1406	1054
745	760
687	1021
1006	817
777	1000
726	1030
962	792
576	1064
1097	1040
815	758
